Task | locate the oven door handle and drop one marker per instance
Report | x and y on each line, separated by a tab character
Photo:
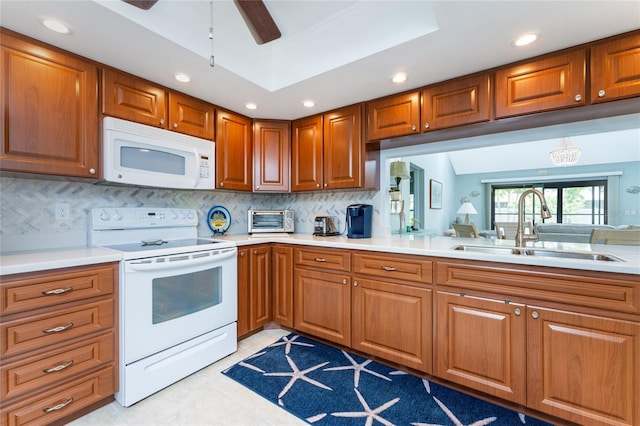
179	261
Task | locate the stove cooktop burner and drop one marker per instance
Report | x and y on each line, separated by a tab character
161	244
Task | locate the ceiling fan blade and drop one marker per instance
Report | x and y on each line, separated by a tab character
259	20
142	4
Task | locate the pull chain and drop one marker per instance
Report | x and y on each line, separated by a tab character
211	60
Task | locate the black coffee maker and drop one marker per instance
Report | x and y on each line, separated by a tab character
359	220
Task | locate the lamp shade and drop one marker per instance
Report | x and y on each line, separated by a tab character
467	208
399	169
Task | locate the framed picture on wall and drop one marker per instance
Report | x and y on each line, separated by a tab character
435	187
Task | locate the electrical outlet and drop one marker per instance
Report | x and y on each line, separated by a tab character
62	211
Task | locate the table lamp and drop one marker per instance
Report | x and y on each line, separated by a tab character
467	208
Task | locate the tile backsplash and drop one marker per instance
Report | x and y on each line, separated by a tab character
28	217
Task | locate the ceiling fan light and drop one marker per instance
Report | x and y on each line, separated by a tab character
566	154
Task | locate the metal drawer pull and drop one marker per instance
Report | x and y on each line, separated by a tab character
59	406
57	291
59	367
320	259
57	329
389	268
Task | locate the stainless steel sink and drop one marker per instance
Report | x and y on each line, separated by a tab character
521	251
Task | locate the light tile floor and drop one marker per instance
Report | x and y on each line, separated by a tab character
207	397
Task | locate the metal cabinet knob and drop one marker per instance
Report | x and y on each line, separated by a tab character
355	283
426	125
578	98
162	121
317	185
257	186
92	171
325	185
344	281
601	93
534	315
241	254
517	312
221	183
175	125
414	128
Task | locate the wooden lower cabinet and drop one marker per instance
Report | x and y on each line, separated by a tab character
282	278
254	288
323	305
481	344
392	321
583	368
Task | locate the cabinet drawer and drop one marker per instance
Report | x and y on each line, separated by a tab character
62	401
325	259
39	290
44	330
406	268
37	372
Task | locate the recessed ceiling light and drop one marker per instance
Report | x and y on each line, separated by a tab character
308	103
251	105
182	78
525	39
56	26
399	78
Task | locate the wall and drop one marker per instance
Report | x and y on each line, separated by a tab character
28	220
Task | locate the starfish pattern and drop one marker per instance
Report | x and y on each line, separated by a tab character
454	419
370	414
288	342
296	374
357	368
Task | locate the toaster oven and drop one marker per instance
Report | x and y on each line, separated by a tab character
263	221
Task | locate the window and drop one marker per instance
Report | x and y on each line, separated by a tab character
569	202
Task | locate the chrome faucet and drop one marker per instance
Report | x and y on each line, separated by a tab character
521	237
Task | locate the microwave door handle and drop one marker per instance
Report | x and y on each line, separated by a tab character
196	154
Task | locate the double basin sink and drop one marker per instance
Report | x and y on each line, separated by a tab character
523	251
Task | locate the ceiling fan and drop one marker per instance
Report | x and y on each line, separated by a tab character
254	12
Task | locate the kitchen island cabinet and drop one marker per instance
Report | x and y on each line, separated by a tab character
58	349
49	110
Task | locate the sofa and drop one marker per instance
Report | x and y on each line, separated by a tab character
571	232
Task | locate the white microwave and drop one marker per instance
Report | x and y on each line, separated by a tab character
137	154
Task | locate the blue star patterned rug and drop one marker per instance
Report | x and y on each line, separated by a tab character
323	385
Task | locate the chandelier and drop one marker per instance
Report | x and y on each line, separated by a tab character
566	154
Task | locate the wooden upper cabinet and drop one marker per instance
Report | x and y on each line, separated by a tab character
545	84
271	159
306	154
393	116
615	69
191	116
458	102
343	150
233	151
49	110
130	98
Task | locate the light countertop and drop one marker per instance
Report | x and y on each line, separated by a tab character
29	261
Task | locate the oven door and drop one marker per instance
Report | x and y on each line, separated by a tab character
168	300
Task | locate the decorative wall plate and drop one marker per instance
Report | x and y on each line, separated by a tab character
218	219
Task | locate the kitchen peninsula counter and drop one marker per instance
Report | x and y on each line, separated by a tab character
37	260
442	247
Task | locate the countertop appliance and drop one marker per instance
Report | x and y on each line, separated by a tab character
359	220
271	221
325	226
144	155
177	295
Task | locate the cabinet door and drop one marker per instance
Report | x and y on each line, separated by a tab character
259	286
456	103
243	291
343	148
323	305
271	146
306	154
233	151
583	368
130	98
393	322
480	343
392	117
282	275
546	84
191	116
49	111
615	69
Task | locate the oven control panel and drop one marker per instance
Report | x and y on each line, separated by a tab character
141	217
